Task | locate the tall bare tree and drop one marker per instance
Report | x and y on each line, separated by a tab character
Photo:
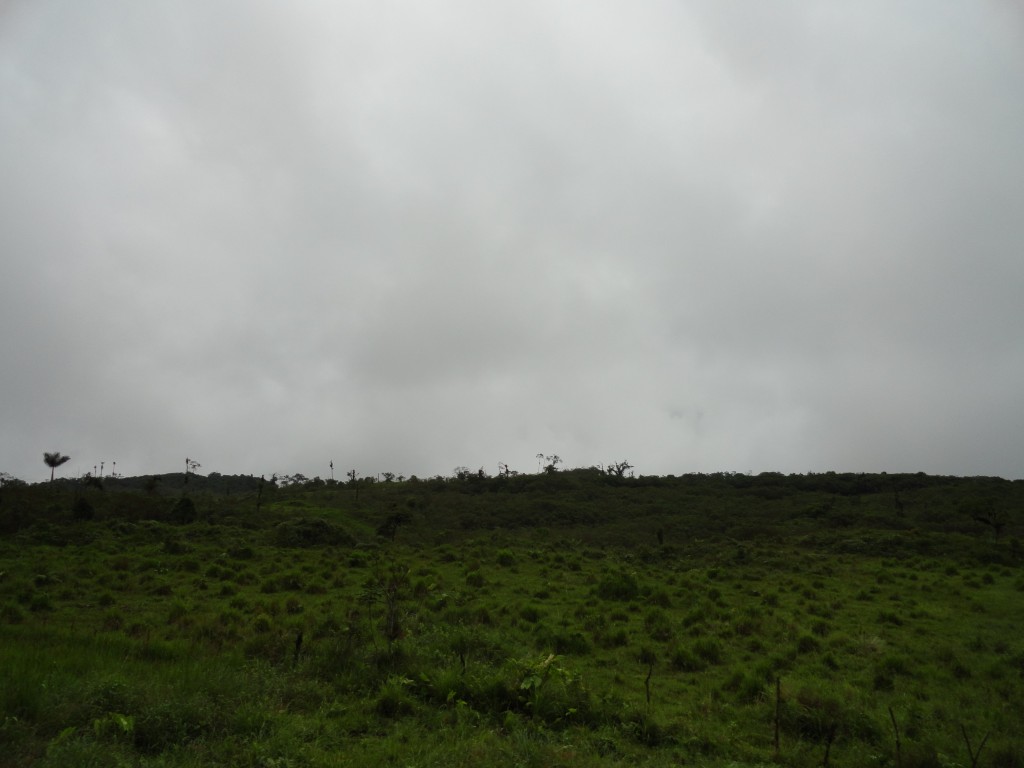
54	460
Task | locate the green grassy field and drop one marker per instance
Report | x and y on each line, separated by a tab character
568	618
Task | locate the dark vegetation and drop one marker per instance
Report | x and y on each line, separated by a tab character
577	617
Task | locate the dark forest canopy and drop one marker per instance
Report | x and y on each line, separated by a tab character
842	483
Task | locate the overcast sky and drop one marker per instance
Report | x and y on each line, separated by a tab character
694	235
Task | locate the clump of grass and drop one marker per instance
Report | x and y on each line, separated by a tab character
615	639
660	598
358	559
683	659
11	613
747	686
40	602
564	642
531	613
621	586
178	613
242	553
657	624
888	617
822	715
175	546
180	718
505	558
708	649
807	644
821	628
894	665
695	617
952	663
214	571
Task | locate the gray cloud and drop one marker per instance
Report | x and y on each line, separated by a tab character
700	236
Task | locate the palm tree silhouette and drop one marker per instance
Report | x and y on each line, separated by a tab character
54	460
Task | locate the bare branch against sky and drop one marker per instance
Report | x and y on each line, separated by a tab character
700	235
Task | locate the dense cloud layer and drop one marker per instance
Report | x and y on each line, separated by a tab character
700	236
